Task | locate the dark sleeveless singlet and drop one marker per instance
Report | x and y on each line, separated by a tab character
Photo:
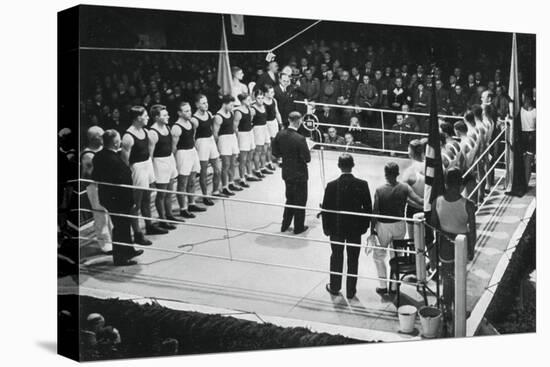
260	118
204	130
270	111
187	138
226	128
163	148
140	149
245	124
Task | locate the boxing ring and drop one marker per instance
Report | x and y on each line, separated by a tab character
233	260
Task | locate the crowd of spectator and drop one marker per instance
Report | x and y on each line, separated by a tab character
342	73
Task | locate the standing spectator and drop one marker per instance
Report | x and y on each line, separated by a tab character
390	200
421	99
382	87
366	96
109	167
344	89
328	88
528	116
292	147
310	86
441	97
453	215
270	77
284	97
349	194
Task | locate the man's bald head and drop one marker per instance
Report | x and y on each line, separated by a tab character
295	119
95	136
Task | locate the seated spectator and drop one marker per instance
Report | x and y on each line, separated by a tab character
350	143
398	96
333	138
399	141
458	101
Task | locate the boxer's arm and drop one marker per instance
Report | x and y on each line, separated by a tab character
93	196
127	144
176	133
277	113
87	165
216	127
153	140
237	119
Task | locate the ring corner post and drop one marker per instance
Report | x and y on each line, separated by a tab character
420	246
461	259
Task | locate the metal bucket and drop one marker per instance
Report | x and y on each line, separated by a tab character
430	319
407	317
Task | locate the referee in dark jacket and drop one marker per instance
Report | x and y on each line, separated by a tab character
350	194
292	147
109	167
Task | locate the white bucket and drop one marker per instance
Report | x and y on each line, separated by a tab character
407	317
430	319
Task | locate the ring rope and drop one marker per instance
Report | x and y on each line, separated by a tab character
372	129
359	147
378	216
241	230
486	151
91	48
376	109
256	262
486	175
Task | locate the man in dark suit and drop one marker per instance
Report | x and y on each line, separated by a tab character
292	147
109	167
283	95
350	194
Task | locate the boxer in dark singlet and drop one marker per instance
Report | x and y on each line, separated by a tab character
245	137
164	164
261	135
206	148
273	123
187	160
136	153
224	133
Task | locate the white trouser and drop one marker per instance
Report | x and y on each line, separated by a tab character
387	232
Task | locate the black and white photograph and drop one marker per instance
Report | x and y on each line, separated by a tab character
244	182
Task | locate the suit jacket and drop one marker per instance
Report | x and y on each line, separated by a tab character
264	79
346	193
109	167
284	102
292	147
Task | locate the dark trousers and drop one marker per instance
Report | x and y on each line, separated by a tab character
337	262
121	233
296	194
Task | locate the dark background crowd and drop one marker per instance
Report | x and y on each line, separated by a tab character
329	64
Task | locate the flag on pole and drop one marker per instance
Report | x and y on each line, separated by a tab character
515	184
224	67
237	24
434	185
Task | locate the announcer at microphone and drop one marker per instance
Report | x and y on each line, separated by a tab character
292	147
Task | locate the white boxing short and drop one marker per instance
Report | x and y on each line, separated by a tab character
261	135
387	232
246	141
187	161
227	144
143	173
207	149
165	169
272	128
